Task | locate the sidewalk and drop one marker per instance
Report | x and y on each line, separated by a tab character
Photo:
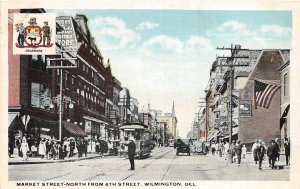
249	161
16	160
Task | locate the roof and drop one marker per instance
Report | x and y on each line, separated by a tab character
267	66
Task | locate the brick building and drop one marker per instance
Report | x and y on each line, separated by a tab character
262	123
33	87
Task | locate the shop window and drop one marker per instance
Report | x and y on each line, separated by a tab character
40	96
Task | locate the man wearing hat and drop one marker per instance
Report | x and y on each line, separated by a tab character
131	152
46	33
272	154
260	153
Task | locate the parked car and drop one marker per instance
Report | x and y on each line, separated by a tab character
182	146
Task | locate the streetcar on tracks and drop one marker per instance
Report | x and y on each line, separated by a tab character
142	136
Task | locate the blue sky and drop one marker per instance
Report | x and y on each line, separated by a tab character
165	55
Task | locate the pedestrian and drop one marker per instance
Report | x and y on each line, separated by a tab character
238	152
131	152
18	145
244	151
287	150
260	153
48	146
254	151
277	148
232	151
72	147
226	150
24	149
84	147
55	150
80	147
219	148
34	149
42	149
213	148
93	146
67	148
11	144
272	154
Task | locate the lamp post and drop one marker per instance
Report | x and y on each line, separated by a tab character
60	100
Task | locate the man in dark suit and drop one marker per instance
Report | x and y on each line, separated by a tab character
287	150
131	152
272	154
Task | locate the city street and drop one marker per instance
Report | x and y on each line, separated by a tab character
163	165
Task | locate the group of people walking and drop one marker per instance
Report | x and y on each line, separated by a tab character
259	150
235	152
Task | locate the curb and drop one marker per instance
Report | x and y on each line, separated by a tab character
54	161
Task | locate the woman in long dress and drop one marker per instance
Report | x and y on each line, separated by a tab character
89	146
42	149
93	146
24	149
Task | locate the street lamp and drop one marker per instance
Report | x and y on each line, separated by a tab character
58	100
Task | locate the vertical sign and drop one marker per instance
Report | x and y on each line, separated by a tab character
66	36
34	33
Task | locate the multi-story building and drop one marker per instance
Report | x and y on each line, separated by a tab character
31	86
285	100
169	120
34	87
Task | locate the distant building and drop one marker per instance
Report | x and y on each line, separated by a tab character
170	121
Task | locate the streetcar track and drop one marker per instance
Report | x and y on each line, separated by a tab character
111	170
127	177
57	177
102	173
169	167
156	158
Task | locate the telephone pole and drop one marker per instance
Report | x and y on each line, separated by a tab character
229	63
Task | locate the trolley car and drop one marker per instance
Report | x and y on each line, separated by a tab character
142	138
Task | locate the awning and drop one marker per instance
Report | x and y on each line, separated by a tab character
14	122
125	127
74	129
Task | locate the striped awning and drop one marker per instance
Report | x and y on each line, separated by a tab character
74	129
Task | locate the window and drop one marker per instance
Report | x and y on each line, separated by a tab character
40	96
285	85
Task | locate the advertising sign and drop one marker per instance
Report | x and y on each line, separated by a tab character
65	36
245	108
34	33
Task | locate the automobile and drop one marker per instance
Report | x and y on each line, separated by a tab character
182	146
198	148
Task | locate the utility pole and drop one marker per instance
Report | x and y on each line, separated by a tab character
229	61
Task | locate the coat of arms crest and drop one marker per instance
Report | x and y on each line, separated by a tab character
33	35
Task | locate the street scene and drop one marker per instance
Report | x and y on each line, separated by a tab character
138	95
163	165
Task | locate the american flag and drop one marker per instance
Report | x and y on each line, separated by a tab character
263	93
